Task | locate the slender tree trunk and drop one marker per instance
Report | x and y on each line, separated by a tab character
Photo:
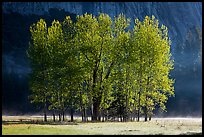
45	117
150	118
99	116
95	110
138	111
81	104
91	112
135	114
146	96
106	115
145	112
63	116
45	103
126	114
72	114
124	118
145	109
84	113
103	116
59	116
54	116
45	112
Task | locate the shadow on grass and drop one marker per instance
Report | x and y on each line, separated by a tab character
39	122
192	133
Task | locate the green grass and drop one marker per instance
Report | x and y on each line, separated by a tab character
28	129
154	127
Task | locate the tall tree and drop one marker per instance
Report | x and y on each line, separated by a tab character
155	63
94	39
37	52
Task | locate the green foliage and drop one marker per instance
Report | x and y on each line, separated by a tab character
154	47
98	61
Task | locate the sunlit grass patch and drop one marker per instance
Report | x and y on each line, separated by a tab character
30	129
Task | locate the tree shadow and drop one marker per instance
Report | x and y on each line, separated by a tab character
192	133
10	122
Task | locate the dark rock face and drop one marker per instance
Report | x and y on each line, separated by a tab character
15	63
183	19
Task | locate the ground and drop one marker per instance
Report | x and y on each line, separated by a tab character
164	126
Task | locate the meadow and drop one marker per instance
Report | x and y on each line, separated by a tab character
32	125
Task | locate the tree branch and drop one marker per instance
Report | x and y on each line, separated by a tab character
109	70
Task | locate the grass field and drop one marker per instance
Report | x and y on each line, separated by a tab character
169	126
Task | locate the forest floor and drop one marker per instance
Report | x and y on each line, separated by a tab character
31	125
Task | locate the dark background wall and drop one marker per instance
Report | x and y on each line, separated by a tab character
183	20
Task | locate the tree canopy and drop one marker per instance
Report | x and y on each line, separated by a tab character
100	66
